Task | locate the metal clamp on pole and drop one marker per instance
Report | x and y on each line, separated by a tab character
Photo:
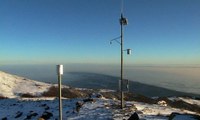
60	73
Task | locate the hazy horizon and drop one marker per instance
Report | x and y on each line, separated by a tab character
181	78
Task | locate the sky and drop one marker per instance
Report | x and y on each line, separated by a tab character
159	32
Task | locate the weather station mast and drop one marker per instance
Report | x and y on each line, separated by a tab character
123	21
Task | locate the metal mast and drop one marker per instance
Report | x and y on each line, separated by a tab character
123	21
60	73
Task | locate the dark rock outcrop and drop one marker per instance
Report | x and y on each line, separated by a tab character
30	115
18	114
46	115
79	104
5	118
134	116
88	100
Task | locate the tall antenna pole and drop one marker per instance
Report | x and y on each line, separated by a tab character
122	6
122	44
123	21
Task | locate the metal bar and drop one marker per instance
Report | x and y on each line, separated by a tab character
60	97
115	39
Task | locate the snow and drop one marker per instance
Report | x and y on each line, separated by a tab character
17	108
190	101
162	103
153	109
93	111
90	111
185	99
12	86
100	109
106	90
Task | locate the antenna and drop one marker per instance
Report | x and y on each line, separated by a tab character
123	21
122	6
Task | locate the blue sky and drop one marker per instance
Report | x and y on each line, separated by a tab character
78	31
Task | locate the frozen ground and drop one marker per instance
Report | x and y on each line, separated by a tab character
12	86
97	109
15	107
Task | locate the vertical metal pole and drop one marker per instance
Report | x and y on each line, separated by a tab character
60	97
122	94
60	72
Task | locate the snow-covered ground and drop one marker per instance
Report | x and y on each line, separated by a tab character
95	108
100	108
186	99
12	86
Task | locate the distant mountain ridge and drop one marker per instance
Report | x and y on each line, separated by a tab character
102	81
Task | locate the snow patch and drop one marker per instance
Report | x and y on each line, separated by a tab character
12	86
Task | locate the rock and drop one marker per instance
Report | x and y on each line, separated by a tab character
95	95
134	117
19	114
43	105
31	115
13	105
79	104
172	115
5	118
34	114
2	97
89	100
47	108
99	95
41	119
46	115
67	112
